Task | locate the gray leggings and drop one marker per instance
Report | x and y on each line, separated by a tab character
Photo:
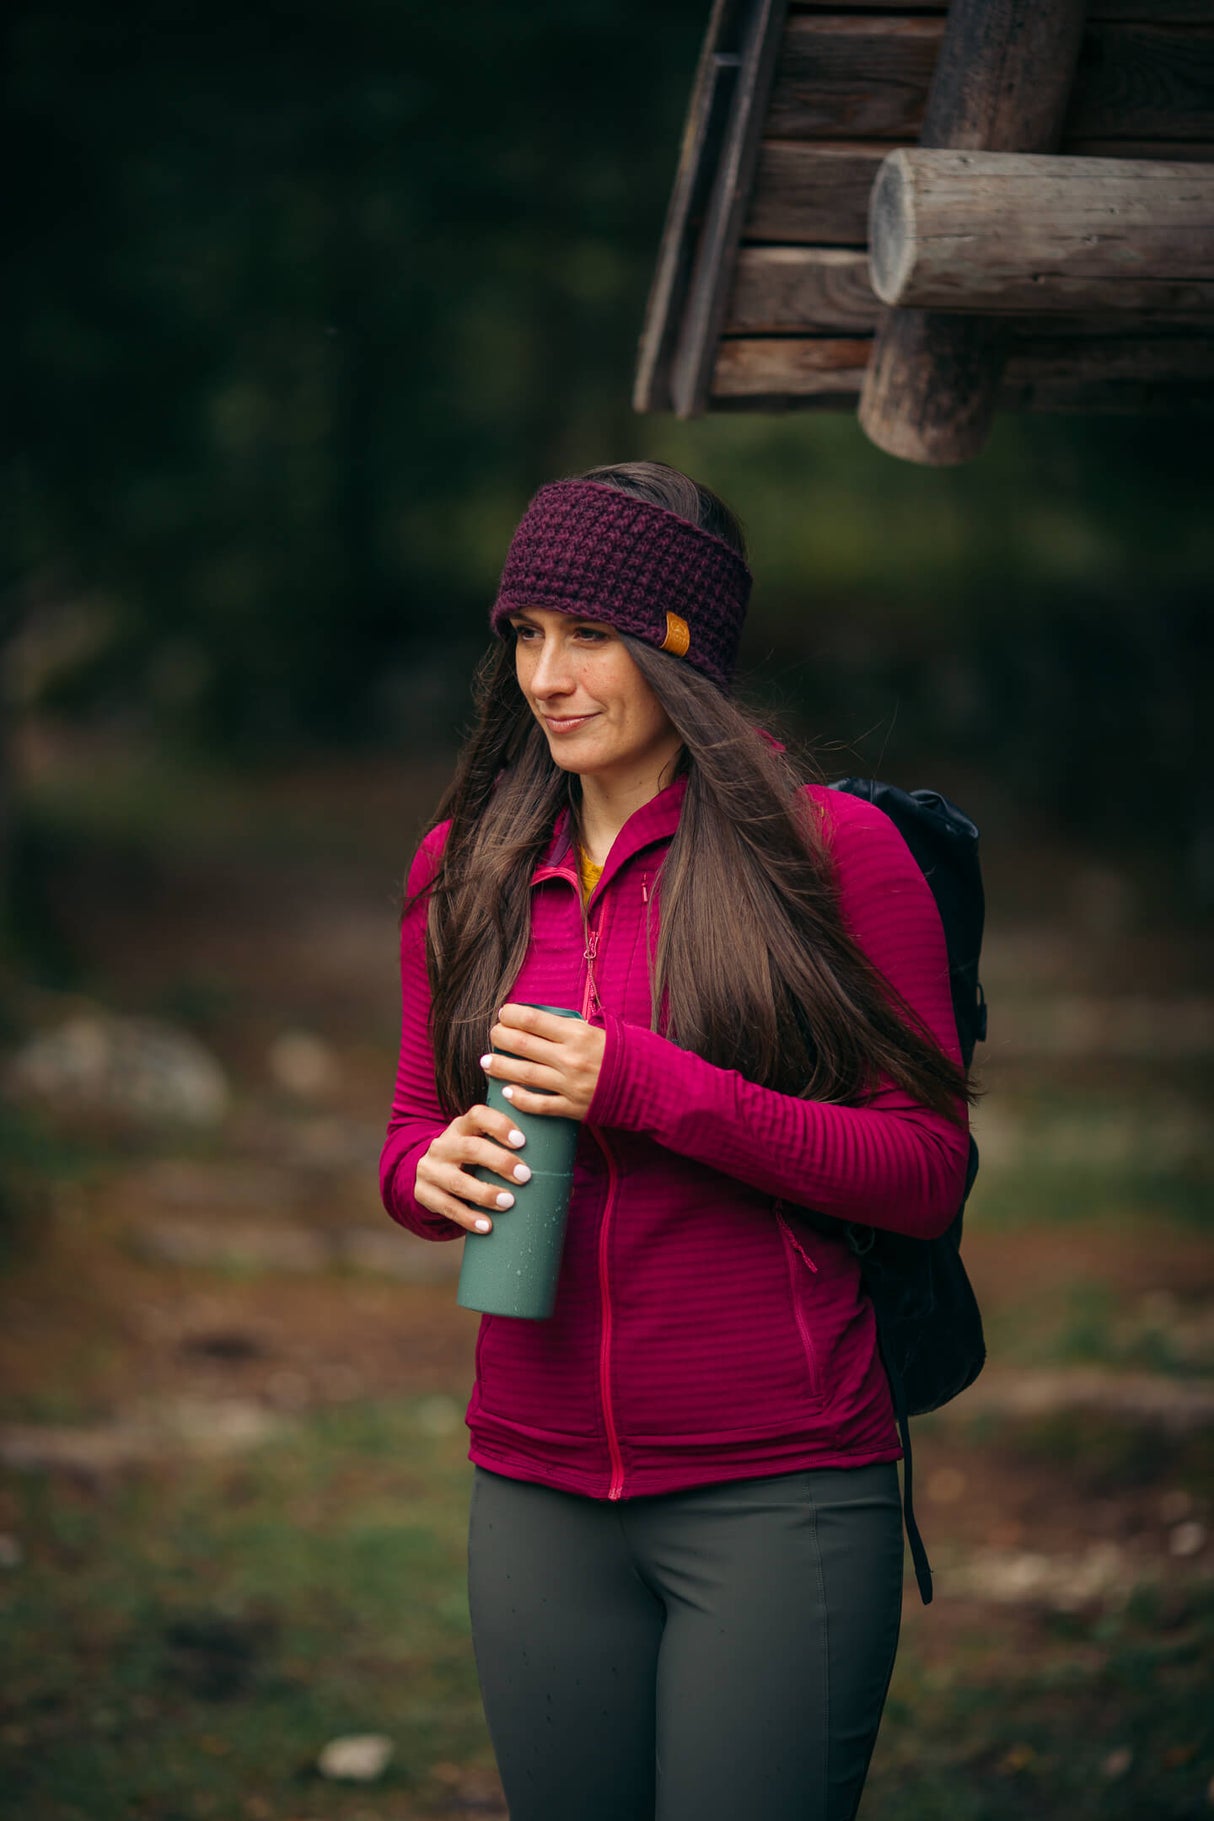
721	1654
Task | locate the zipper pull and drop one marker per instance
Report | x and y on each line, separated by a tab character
591	950
792	1238
644	888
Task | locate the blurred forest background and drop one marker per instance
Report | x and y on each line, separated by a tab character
303	303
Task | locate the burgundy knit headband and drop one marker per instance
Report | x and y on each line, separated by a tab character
584	547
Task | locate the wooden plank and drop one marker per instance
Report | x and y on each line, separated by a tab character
1066	395
1153	12
715	76
1169	151
1150	12
856	77
808	194
813	195
996	232
1138	378
803	291
792	367
1040	368
1144	81
853	78
754	40
818	193
811	289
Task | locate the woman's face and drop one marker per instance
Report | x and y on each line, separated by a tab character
602	719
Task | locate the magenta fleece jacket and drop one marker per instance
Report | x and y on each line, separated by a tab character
703	1330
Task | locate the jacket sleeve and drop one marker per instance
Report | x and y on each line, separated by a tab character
417	1117
890	1163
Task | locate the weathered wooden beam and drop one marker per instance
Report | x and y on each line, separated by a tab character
1004	231
751	36
853	78
808	194
712	92
797	367
810	289
1001	84
1167	151
1145	82
803	291
1099	372
1151	12
813	195
865	76
1172	375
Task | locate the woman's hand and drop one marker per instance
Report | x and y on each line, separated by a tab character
444	1184
562	1055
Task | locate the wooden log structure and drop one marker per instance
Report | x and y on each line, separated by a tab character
1003	232
763	299
1001	83
690	291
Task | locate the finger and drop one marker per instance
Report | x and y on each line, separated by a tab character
551	1106
522	1017
554	1025
495	1196
520	1043
484	1154
515	1023
494	1124
435	1201
527	1074
448	1176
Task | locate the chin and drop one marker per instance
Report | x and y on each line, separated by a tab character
569	759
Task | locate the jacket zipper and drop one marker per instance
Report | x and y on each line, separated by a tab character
616	1489
592	1005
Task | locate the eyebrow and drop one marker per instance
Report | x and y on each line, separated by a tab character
522	614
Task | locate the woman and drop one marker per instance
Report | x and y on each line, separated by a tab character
685	1552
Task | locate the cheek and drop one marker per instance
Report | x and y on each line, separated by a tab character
652	719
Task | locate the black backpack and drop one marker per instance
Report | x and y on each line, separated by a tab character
928	1324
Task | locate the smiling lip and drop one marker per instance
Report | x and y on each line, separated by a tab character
566	723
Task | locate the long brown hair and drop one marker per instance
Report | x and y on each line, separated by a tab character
754	969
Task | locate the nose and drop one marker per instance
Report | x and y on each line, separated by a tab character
552	675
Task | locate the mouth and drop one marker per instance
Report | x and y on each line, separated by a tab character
565	723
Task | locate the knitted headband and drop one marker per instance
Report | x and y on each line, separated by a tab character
586	548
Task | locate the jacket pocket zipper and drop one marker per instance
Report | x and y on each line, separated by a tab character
794	1250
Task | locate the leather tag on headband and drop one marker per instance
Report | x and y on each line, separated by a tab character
678	636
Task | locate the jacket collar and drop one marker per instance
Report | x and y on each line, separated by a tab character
653	822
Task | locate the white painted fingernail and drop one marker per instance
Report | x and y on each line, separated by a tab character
505	1199
509	1093
517	1138
483	1226
522	1173
485	1061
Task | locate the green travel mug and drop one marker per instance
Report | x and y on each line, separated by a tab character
514	1269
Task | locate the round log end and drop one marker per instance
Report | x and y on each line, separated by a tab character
891	227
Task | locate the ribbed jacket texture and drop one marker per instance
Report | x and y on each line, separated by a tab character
703	1330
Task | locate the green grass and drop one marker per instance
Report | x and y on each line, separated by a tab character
1024	1715
1084	1321
190	1637
1121	1196
184	1641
